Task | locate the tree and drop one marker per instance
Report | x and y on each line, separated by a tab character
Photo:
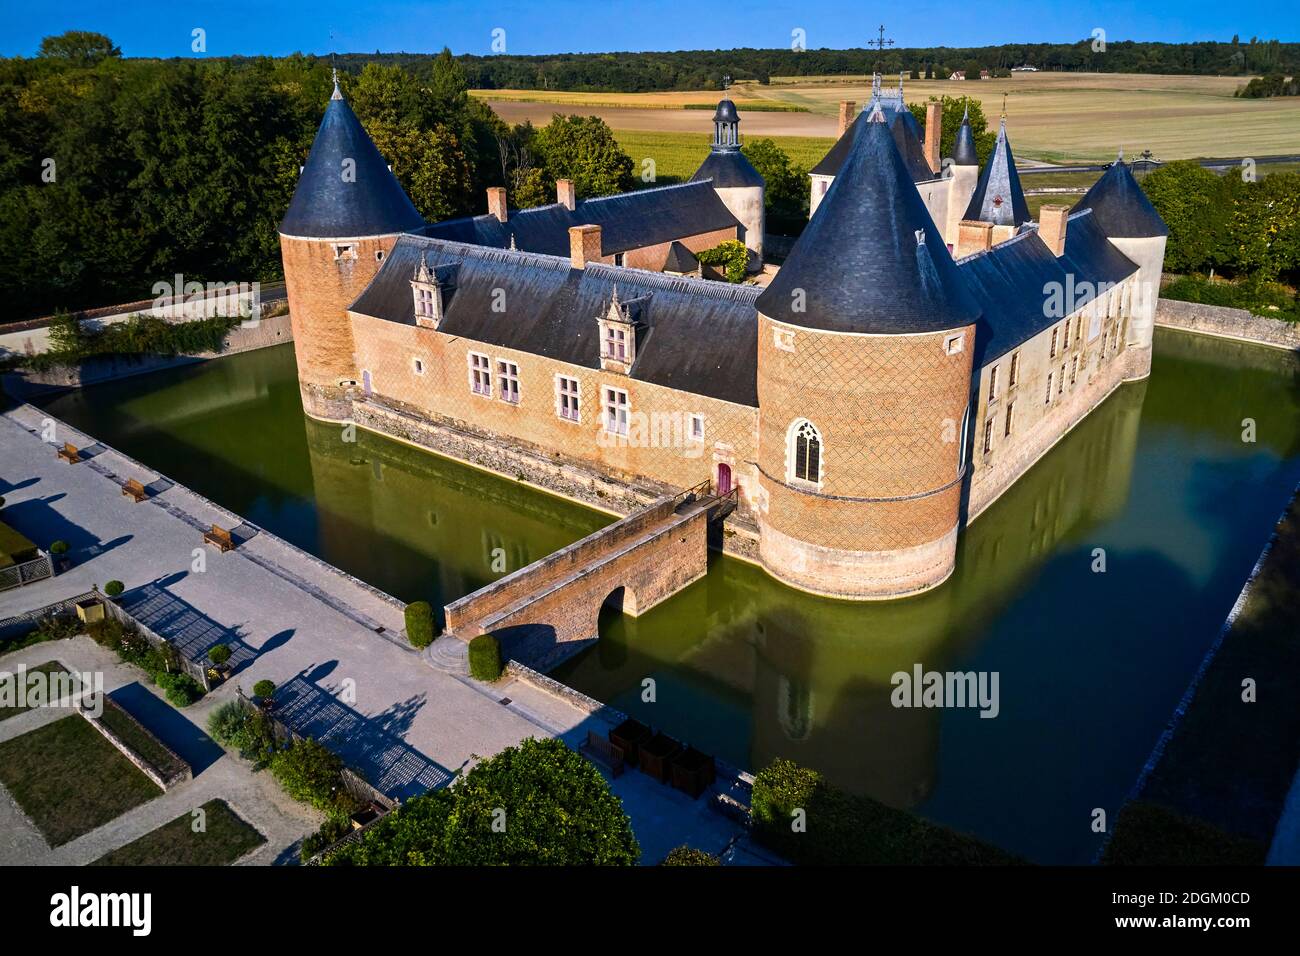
1192	202
537	803
786	192
81	47
954	107
583	149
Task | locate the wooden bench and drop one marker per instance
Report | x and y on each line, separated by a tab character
134	490
219	538
69	453
599	750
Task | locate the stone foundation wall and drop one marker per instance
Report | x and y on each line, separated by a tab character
1227	323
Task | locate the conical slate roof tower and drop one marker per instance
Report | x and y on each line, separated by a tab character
1120	206
871	260
346	188
998	198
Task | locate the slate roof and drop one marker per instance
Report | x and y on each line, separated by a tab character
728	168
697	336
645	217
963	150
859	263
324	205
1008	282
1121	207
906	135
998	197
680	259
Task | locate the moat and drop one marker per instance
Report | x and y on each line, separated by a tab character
1090	664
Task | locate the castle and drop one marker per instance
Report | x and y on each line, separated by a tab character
923	344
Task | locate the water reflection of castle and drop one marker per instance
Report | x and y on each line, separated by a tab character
816	686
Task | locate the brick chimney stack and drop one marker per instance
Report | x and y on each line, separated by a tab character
973	236
1051	227
565	195
584	245
933	134
846	117
497	202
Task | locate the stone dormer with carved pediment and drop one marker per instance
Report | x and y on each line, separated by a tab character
619	327
429	290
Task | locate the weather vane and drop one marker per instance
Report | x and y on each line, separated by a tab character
881	43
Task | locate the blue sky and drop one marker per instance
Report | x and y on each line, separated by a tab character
151	28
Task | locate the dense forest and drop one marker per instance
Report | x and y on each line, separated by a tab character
705	69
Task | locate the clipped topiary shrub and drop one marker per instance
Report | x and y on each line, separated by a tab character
419	623
689	856
181	690
59	547
114	588
219	653
265	689
485	658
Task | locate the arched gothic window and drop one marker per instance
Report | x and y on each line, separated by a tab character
806	452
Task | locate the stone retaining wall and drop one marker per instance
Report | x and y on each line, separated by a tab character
1227	323
183	775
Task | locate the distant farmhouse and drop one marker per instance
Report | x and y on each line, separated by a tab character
923	344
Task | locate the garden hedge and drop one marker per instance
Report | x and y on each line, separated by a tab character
485	658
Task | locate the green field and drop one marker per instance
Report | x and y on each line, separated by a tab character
224	840
678	155
49	667
70	780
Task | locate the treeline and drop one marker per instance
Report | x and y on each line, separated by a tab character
1235	224
705	69
116	174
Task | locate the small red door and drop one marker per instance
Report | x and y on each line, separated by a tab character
724	479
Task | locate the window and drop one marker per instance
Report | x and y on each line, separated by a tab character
615	343
1055	334
424	303
344	250
1066	343
993	384
508	381
1049	388
953	344
1074	369
697	427
1060	386
379	255
807	457
616	410
988	435
1010	423
1015	370
418	366
480	374
618	258
566	396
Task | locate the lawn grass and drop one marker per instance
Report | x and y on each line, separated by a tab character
131	733
224	840
69	780
49	667
678	155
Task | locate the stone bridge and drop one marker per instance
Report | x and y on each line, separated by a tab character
543	612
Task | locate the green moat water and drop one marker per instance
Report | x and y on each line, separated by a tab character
1090	665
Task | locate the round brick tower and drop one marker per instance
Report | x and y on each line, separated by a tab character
345	216
865	344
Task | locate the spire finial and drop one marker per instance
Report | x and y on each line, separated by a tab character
965	113
1120	158
337	94
1004	107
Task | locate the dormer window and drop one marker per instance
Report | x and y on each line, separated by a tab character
344	250
427	295
615	343
618	329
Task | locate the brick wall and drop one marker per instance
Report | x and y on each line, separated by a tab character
652	257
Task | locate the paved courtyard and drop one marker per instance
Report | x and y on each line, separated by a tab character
332	644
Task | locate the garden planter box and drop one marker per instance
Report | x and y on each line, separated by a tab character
90	611
657	756
693	771
630	736
365	816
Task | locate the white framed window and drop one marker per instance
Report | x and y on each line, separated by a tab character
805	452
508	381
618	258
344	250
1015	370
424	303
379	255
417	366
697	428
1068	322
988	435
1011	420
615	343
1049	388
617	409
953	344
1055	335
1060	386
568	398
993	384
480	374
1074	369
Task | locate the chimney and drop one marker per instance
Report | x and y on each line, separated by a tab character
1051	227
497	202
584	245
973	236
846	117
564	194
933	134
